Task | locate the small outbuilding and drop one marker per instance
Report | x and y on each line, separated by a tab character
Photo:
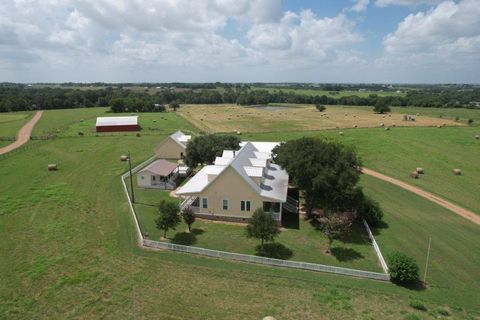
160	174
173	147
115	124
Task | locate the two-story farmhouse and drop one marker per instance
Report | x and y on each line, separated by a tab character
237	184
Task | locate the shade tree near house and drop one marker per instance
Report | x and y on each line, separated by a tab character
168	217
262	226
325	171
203	149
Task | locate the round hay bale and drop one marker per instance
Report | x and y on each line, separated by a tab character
52	167
238	132
268	318
457	172
341	133
414	174
383	116
123	158
355	126
419	170
382	124
393	124
346	114
387	129
389	115
80	133
439	126
81	120
477	137
154	120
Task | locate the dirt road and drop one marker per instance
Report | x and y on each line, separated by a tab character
467	214
23	135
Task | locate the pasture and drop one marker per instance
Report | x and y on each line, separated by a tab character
68	248
333	94
232	118
10	123
399	151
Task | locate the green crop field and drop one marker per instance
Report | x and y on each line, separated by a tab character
68	249
10	123
399	151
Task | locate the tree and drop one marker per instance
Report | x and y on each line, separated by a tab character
204	149
117	105
188	217
335	227
402	268
325	171
320	107
174	105
168	216
381	106
262	226
370	210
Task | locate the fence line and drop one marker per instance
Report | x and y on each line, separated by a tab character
265	260
245	257
376	247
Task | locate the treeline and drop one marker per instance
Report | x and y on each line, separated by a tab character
20	97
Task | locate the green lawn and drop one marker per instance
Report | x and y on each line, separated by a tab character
68	250
399	151
302	244
11	122
446	113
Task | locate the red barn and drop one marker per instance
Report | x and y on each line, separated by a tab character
112	124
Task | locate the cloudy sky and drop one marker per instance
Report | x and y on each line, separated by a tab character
420	41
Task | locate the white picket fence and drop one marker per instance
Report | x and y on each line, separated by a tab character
251	258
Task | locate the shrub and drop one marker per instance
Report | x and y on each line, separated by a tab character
370	211
418	305
402	268
320	107
470	121
444	312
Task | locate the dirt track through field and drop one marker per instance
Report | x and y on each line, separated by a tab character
23	135
467	214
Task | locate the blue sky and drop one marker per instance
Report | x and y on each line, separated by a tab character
400	41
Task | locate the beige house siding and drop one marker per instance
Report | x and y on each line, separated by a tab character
230	186
146	181
169	149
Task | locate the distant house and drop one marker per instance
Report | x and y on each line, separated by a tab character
113	124
173	147
160	174
237	184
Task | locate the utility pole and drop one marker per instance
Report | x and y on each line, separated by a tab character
426	263
131	177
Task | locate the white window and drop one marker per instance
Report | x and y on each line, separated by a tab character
225	204
205	203
245	205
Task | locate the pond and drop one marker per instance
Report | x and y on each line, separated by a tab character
269	107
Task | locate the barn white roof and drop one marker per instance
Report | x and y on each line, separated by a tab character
117	121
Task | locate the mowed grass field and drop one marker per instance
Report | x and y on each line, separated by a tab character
300	242
69	122
68	251
401	150
10	123
232	118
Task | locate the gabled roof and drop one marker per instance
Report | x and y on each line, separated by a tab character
160	167
117	121
180	138
274	180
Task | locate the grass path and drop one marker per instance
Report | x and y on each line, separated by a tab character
467	214
23	135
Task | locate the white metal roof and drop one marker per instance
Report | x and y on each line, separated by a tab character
117	121
181	138
274	180
261	146
228	154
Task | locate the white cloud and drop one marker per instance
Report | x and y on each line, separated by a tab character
360	5
385	3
